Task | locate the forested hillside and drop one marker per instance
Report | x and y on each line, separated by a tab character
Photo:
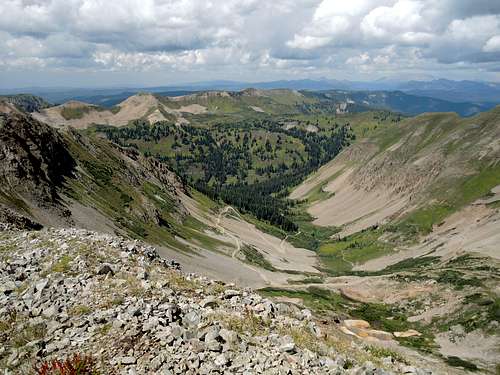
249	164
396	101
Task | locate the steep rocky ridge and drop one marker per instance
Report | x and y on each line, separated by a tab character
50	176
34	164
26	102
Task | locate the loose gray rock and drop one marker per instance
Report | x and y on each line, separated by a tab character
229	337
221	360
231	293
287	345
209	301
191	319
127	360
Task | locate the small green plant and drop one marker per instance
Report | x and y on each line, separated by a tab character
63	265
380	352
30	333
302	337
178	281
119	300
79	310
248	323
8	320
494	310
104	329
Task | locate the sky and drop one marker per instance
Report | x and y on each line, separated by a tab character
86	43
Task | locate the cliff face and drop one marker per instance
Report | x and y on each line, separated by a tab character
66	178
34	162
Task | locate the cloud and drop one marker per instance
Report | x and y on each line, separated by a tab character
252	37
493	44
396	21
308	41
465	40
444	32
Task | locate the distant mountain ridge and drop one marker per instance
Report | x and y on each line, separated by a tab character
201	105
26	102
455	91
444	89
408	104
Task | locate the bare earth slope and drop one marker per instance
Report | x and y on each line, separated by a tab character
397	170
81	115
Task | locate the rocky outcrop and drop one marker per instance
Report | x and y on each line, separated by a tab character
10	219
69	291
34	160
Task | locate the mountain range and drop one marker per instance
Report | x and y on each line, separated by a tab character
475	92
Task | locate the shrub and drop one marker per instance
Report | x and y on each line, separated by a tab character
74	365
459	362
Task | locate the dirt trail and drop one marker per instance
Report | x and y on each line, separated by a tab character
223	231
280	255
283	241
228	225
238	243
281	248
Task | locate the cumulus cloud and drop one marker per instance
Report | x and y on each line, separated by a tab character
445	32
251	37
394	21
308	41
493	44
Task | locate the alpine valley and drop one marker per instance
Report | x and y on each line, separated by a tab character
251	230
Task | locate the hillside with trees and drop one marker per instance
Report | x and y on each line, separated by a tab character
249	164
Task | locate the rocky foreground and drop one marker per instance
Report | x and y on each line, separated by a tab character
67	291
